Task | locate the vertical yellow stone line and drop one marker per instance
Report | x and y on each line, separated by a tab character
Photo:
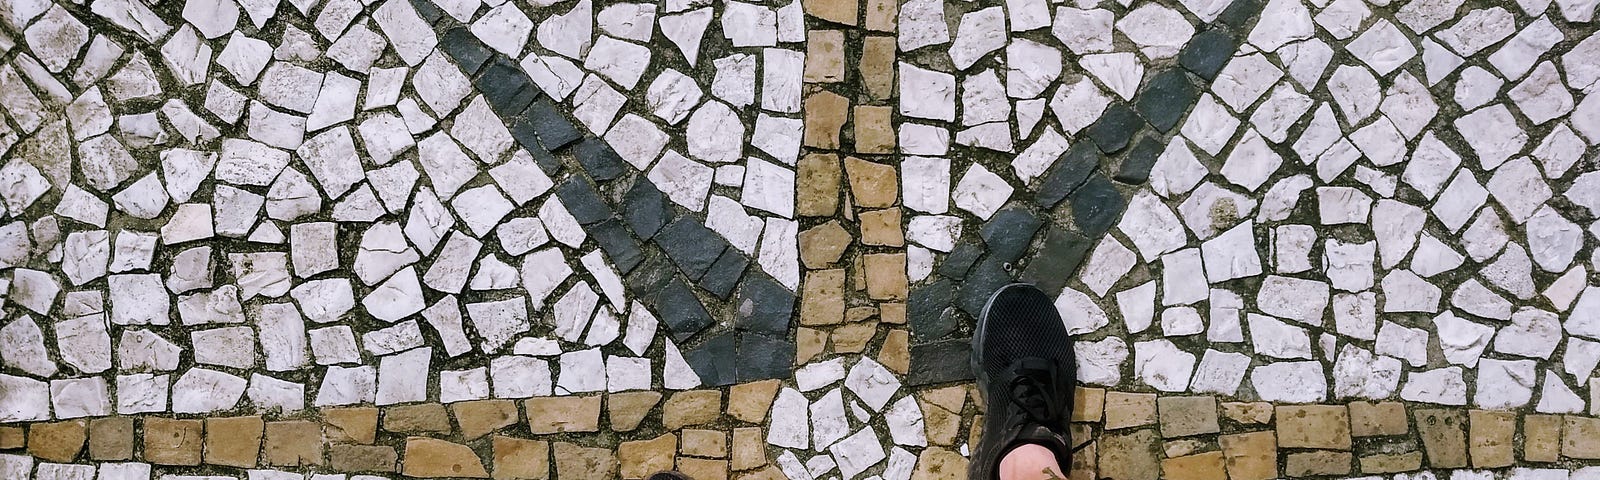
853	241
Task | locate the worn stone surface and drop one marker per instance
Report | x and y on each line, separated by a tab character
110	439
1201	466
169	441
362	458
641	458
1317	463
352	424
520	459
1541	438
563	414
1444	436
1125	410
63	441
1580	437
419	418
1134	455
1314	426
750	401
293	443
1187	416
1369	419
625	410
1251	456
234	441
1491	435
695	407
479	418
429	457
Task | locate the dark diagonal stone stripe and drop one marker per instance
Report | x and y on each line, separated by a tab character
681	270
1121	146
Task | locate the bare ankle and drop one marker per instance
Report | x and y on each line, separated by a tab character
1030	462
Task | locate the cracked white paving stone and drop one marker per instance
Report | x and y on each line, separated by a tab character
937	100
1493	134
603	328
1357	373
1475	299
828	422
1179	279
1553	240
1462	341
627	373
1292	21
395	298
1504	384
520	377
1477	30
1295	299
858	452
398	381
872	383
790	420
1162	365
1121	71
1220	372
1225	308
201	390
334	345
1158	31
1181	321
1100	362
1231	254
981	192
1349	265
596	104
937	232
1276	339
1030	69
1210	126
1290	382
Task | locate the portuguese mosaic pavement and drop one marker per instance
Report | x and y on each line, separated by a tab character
537	239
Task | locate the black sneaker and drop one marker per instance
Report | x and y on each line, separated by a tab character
1023	359
668	475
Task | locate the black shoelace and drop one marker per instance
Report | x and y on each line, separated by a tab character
1034	392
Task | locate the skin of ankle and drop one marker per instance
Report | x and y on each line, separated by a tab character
1030	462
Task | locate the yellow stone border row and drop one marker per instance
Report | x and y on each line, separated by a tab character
1121	435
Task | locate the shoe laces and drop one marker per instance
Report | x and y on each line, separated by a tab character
1033	391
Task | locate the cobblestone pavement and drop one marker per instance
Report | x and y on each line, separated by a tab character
537	239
